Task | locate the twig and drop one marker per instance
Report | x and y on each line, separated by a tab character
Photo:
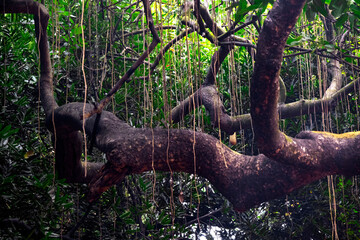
203	216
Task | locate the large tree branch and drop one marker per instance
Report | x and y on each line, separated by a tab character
264	88
244	180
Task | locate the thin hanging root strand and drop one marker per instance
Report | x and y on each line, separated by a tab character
140	61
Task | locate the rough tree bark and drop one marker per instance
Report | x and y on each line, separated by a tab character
287	163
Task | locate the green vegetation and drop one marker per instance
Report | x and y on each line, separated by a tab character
322	50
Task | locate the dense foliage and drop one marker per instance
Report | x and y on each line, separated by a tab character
156	205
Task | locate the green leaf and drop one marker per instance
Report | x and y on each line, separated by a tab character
294	41
76	30
166	220
233	5
355	10
338	7
243	9
242	4
7	131
125	215
352	19
129	221
341	20
350	60
319	6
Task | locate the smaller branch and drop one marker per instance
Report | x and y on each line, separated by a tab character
216	61
198	16
167	47
185	107
203	216
205	34
147	30
297	54
240	44
320	53
118	85
334	65
336	82
130	59
305	51
351	56
150	20
350	65
131	14
217	31
209	97
234	30
214	28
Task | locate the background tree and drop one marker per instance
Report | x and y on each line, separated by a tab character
166	205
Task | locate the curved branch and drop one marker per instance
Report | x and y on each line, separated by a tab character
209	97
334	65
216	61
236	43
130	150
206	34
